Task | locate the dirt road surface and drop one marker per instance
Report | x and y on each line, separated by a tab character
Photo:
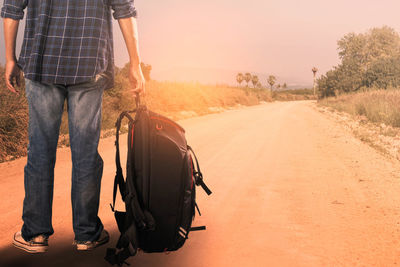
291	188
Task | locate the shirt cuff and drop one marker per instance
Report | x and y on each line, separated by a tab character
12	12
126	12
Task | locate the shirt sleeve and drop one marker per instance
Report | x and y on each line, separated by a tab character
122	8
13	9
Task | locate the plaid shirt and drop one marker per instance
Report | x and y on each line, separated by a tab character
67	41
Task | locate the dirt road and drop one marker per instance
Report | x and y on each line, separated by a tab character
291	188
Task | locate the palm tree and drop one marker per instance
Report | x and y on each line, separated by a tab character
271	81
239	78
254	80
247	78
314	70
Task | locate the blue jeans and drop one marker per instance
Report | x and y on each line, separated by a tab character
46	102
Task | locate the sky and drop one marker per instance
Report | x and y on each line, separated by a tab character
211	40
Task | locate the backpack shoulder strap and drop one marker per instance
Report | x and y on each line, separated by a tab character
143	218
119	177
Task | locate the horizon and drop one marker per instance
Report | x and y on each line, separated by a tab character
245	36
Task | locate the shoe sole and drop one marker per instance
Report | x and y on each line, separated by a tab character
83	247
33	250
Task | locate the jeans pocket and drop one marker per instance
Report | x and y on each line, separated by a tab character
28	88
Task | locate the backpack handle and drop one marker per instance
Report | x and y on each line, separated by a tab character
137	100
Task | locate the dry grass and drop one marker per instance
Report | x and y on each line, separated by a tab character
293	95
378	106
179	100
13	125
175	100
383	138
373	116
172	98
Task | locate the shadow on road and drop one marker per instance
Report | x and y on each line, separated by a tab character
63	253
59	255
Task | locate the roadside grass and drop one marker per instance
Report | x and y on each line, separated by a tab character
13	124
293	95
373	116
172	99
378	106
370	139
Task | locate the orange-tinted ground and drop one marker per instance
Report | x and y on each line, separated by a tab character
291	188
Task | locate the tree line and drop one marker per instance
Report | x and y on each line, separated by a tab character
248	77
368	60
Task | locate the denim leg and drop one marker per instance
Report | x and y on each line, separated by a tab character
45	110
84	117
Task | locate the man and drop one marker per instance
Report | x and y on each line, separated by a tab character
67	54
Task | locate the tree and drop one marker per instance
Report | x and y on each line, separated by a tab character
146	69
278	86
384	73
247	78
271	80
239	78
254	80
328	82
365	48
367	60
284	86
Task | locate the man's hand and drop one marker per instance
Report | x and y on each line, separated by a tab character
12	72
136	79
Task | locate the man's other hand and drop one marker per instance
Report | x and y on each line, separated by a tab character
12	72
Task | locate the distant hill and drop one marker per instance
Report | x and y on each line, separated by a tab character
220	76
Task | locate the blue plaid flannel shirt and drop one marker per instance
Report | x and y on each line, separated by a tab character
67	41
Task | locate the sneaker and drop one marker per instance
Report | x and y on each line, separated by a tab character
89	245
38	244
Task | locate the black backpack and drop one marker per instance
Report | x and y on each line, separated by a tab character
160	187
